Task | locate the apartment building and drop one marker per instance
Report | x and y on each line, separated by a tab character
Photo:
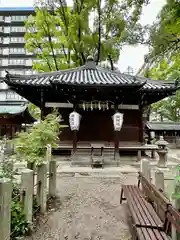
13	55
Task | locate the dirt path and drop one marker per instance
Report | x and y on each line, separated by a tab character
89	210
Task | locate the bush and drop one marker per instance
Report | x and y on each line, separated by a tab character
31	145
19	225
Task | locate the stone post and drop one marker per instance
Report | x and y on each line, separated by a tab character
42	187
5	208
159	180
162	152
28	188
145	168
52	178
49	153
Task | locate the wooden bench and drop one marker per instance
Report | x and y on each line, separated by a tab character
144	218
154	196
168	215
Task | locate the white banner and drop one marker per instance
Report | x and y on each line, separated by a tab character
117	121
74	120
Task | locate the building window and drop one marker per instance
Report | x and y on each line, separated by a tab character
6	40
16	61
17	51
16	71
19	18
1	29
17	40
7	19
18	29
4	62
10	95
1	18
5	51
6	29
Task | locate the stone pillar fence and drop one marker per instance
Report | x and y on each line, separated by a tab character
41	186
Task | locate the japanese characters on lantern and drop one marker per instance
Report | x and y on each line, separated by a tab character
117	121
74	120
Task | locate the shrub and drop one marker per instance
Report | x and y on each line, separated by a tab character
31	145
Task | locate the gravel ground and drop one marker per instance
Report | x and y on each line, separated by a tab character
89	209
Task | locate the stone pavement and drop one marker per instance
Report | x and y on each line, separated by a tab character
89	210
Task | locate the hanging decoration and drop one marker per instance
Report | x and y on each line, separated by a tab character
100	105
118	121
74	120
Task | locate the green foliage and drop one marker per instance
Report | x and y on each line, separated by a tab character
165	33
34	111
19	225
168	108
62	37
31	145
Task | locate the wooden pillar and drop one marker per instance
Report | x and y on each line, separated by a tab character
116	138
75	132
42	104
74	141
141	124
116	144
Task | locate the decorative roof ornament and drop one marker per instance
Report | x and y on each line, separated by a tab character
90	63
99	106
107	106
84	107
91	106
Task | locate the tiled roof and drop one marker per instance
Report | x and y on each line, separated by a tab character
88	75
163	126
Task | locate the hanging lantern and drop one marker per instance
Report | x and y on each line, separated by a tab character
117	121
74	120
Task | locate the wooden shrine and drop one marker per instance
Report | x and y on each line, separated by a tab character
96	94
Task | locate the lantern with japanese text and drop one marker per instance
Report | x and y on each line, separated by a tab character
74	121
117	121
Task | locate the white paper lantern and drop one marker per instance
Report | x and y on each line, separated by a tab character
117	121
74	120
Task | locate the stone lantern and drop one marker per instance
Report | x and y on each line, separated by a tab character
162	151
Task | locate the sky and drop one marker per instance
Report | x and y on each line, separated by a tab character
129	55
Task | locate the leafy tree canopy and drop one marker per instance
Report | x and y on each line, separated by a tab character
165	33
167	109
62	36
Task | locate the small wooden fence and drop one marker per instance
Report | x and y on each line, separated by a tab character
39	186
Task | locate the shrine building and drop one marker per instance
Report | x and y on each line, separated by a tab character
95	94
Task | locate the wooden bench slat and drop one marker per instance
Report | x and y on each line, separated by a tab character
150	216
150	234
139	218
131	206
142	212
